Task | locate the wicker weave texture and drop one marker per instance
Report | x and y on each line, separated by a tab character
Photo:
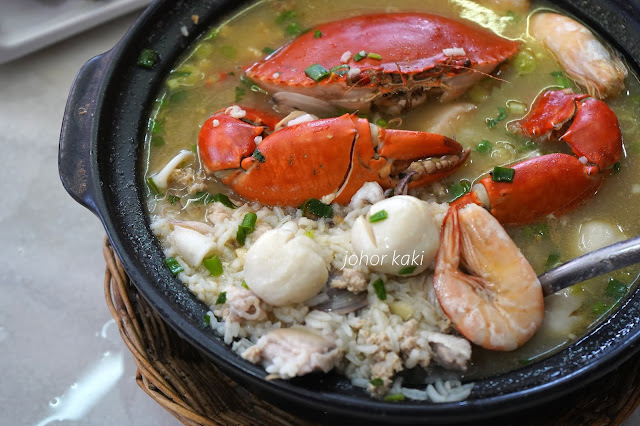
196	392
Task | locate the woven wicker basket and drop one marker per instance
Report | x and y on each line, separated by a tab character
191	388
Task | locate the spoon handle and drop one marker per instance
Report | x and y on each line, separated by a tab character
591	265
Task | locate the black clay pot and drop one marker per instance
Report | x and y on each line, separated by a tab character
99	162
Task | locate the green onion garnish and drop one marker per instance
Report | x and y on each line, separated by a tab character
173	199
484	146
382	122
180	74
502	114
317	34
314	208
268	50
563	81
173	265
156	126
527	146
287	15
228	52
249	222
293	28
147	58
360	56
222	298
251	85
206	320
503	174
600	308
459	189
374	56
244	284
241	235
214	265
616	289
537	230
317	72
406	270
340	70
157	141
552	261
258	156
525	361
394	397
240	92
376	381
378	216
152	186
207	198
178	97
378	286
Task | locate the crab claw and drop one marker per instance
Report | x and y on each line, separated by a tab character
330	158
555	183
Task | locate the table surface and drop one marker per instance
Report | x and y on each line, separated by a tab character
62	356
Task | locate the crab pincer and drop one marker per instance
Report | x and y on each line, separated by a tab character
327	159
555	183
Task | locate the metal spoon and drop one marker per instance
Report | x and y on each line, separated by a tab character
591	265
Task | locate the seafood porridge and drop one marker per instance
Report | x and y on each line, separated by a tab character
374	189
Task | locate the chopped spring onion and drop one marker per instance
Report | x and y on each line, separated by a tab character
552	261
562	80
314	208
616	167
616	289
157	141
173	199
207	198
148	58
377	381
222	298
537	230
600	308
340	70
152	186
293	28
394	397
503	174
240	92
360	56
525	361
458	189
406	270
213	265
194	148
251	85
317	34
374	56
527	146
512	16
378	286
484	146
378	216
241	235
258	156
206	320
178	97
287	15
268	50
180	74
317	72
244	284
524	62
228	52
249	222
173	265
382	122
493	122
156	126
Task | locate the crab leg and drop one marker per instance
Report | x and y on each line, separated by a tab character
329	158
555	183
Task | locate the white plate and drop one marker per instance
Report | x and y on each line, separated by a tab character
28	25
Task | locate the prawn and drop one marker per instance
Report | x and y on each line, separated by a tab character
497	303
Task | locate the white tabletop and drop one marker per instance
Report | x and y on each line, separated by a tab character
61	355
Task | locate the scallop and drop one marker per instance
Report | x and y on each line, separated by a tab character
596	234
404	242
282	268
